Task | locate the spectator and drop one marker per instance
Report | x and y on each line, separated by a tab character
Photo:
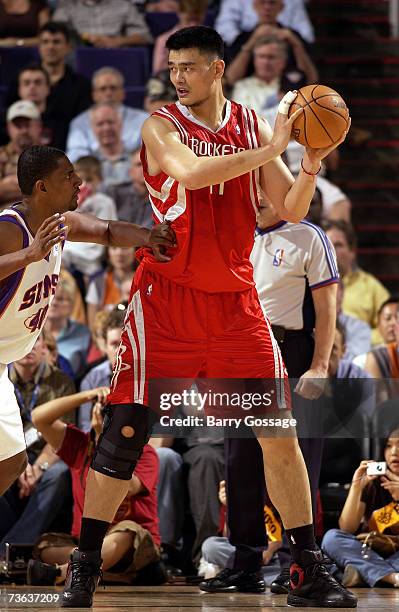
29	507
357	332
105	23
382	362
107	87
24	130
134	534
241	50
159	92
132	201
363	293
52	355
100	376
73	339
236	16
105	290
20	21
78	311
65	83
370	507
261	90
83	257
159	6
107	128
34	85
190	13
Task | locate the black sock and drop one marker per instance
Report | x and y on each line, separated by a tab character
92	534
301	538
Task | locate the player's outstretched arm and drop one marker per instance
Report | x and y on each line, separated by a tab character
166	152
13	257
88	228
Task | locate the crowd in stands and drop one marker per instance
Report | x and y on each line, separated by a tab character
173	514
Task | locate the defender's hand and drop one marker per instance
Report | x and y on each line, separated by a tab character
161	237
48	234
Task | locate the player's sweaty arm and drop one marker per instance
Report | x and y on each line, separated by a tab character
166	152
88	228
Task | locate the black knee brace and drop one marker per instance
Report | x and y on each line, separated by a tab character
127	428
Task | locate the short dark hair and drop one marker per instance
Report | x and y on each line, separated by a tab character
90	162
36	163
56	27
203	38
114	320
34	67
346	228
393	299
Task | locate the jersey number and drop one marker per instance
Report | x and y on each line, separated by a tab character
221	189
36	321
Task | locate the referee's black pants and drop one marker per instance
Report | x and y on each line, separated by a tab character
246	490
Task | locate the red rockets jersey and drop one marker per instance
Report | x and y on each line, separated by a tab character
214	225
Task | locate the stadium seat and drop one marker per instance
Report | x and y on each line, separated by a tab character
133	63
160	22
12	59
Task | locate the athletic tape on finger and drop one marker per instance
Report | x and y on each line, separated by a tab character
286	102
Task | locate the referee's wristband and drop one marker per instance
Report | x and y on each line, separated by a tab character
310	173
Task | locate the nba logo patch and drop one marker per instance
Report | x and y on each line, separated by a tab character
149	290
278	257
238	129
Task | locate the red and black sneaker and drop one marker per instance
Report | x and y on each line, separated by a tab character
312	586
83	575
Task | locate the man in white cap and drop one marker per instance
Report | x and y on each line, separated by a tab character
24	129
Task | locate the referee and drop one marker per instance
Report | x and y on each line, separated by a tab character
296	276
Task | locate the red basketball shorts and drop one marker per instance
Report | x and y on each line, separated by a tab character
175	332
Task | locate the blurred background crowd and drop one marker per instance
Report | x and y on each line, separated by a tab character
83	75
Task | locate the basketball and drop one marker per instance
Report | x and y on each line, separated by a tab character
325	116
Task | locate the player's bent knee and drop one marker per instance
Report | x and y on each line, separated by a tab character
127	428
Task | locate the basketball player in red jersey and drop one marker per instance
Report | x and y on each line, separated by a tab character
206	162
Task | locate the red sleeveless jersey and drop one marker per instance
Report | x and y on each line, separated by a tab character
214	225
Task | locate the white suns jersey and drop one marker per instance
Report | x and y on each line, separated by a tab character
25	296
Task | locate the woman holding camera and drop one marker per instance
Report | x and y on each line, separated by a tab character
371	511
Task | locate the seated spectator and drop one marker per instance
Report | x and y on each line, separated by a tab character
132	201
52	355
105	23
106	289
371	506
130	551
357	332
363	293
86	258
78	312
236	16
100	376
96	353
65	83
24	130
241	50
261	90
383	361
159	92
32	503
73	339
34	85
190	13
217	550
107	87
106	124
20	21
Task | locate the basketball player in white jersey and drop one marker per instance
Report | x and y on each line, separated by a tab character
31	236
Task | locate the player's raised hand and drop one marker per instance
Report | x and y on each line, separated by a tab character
49	233
316	155
283	124
161	237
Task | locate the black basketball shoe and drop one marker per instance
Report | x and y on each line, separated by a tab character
281	584
313	586
233	581
83	575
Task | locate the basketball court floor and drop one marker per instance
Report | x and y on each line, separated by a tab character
183	599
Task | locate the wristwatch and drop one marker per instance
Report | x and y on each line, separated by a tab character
44	466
